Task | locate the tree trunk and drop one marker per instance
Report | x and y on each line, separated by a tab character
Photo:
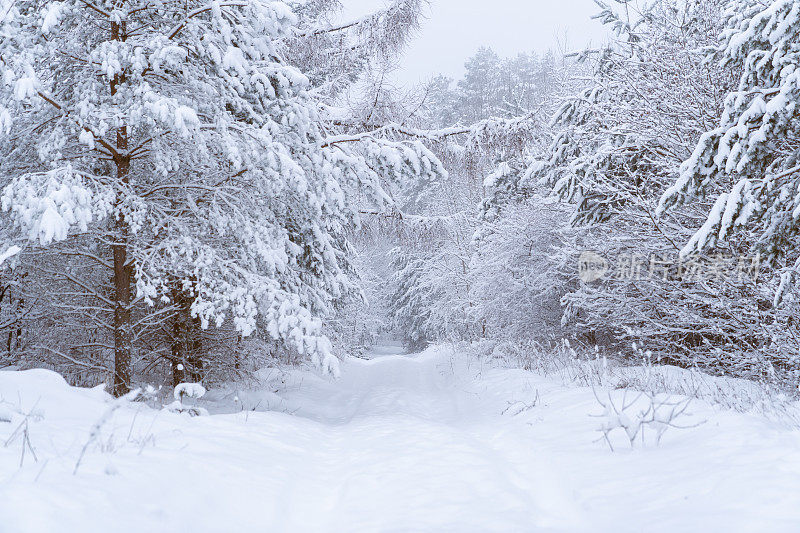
123	336
195	348
187	346
123	367
178	352
180	364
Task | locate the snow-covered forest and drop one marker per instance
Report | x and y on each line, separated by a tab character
248	282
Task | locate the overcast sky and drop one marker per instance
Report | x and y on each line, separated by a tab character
455	29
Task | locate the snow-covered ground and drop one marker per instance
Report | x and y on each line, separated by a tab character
429	442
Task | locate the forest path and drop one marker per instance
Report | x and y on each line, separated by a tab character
431	442
412	446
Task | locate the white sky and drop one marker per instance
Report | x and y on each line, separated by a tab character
455	29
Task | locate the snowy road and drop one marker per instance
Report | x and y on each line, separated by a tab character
399	444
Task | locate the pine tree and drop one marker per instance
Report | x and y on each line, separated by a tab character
479	86
173	146
753	151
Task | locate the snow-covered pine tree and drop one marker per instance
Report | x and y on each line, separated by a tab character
479	87
175	145
753	151
410	301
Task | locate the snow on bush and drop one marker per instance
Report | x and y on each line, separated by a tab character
190	390
184	391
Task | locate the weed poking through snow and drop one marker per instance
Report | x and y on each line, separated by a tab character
644	418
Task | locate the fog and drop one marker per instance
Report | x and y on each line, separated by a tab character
455	29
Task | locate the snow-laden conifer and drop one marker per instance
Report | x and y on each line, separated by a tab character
752	150
194	156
